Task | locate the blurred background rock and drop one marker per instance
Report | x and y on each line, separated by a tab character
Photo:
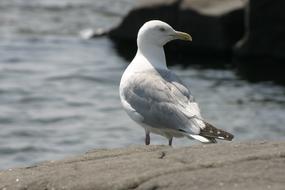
248	35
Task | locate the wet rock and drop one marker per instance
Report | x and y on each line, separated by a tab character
215	25
260	55
251	165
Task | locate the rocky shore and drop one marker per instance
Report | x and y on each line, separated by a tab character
246	35
248	165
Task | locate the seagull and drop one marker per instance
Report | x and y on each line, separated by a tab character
154	96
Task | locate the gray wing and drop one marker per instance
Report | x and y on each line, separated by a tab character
162	100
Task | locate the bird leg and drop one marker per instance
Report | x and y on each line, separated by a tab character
170	141
147	138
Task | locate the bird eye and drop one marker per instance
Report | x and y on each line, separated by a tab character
162	29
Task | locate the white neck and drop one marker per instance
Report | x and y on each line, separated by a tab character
153	56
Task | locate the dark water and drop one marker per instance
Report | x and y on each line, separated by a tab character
59	94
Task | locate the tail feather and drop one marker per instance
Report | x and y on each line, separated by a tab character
202	139
209	131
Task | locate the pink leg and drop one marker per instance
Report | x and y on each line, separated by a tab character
147	138
170	141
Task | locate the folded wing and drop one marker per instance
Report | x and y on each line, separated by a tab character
163	101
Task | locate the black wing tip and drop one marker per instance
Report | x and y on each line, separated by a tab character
227	136
213	140
230	137
211	131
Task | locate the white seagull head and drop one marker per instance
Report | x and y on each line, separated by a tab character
158	33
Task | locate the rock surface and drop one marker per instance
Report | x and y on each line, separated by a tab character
215	25
258	165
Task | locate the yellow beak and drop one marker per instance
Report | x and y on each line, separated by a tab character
183	36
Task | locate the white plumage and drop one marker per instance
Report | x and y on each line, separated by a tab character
155	97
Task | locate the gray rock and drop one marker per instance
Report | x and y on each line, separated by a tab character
260	55
215	25
251	165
